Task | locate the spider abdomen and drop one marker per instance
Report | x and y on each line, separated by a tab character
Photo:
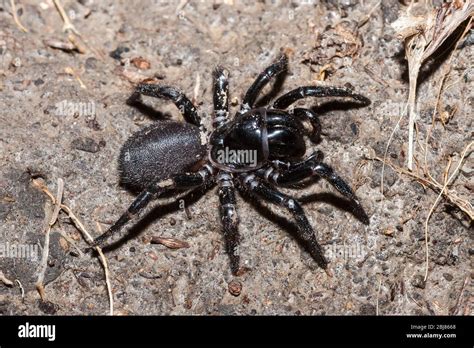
159	151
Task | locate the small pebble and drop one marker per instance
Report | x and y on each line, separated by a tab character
418	281
91	63
354	129
117	53
448	276
235	288
48	307
86	145
16	62
141	63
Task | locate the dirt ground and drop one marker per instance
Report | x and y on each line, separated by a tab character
63	115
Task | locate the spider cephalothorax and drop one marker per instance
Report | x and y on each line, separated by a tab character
256	151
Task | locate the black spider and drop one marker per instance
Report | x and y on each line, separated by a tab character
257	150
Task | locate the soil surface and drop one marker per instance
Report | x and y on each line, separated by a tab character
63	114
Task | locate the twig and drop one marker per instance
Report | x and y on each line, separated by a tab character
462	204
43	265
422	36
388	145
440	89
68	26
180	6
367	17
378	295
86	235
106	273
52	221
15	17
414	53
372	74
57	204
70	71
71	241
21	289
103	260
446	183
5	280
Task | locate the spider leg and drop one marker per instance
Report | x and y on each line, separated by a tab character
153	191
229	219
305	231
185	106
266	172
317	91
313	166
220	97
252	93
313	119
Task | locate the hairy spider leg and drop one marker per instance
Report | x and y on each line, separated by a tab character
229	218
153	191
304	231
261	81
220	97
311	167
185	106
317	91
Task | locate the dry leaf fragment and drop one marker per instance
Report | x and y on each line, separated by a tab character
141	63
335	47
60	45
171	243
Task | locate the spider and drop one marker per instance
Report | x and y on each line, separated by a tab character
254	152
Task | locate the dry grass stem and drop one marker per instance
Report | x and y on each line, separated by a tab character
70	71
15	17
424	30
44	259
21	289
106	274
447	182
68	26
87	236
5	280
461	203
74	36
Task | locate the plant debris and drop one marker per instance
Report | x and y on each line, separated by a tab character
423	30
171	243
335	47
